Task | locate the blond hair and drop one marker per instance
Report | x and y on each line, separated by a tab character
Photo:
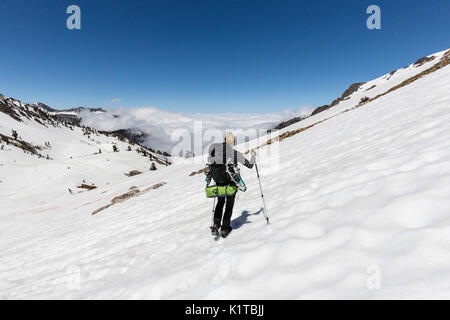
230	139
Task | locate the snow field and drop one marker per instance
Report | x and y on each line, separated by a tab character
362	196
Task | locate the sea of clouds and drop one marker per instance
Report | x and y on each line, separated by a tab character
166	129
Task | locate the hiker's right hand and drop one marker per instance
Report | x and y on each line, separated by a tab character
253	152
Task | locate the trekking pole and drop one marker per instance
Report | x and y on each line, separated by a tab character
262	195
212	215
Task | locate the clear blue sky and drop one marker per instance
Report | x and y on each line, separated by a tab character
209	55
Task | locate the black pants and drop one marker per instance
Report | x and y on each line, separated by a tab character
228	211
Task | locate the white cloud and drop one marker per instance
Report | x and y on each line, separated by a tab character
161	124
305	110
113	101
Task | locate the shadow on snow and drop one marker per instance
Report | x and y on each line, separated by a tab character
243	219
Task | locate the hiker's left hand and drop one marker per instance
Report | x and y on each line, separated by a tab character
253	152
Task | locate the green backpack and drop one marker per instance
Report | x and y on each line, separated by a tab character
220	191
221	174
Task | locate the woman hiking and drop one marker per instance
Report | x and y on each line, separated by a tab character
222	159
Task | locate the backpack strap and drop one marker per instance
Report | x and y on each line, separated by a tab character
224	156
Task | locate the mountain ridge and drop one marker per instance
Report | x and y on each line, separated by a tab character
354	87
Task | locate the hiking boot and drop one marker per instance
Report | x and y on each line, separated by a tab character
215	230
226	232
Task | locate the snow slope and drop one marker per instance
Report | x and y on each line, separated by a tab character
73	153
371	89
359	208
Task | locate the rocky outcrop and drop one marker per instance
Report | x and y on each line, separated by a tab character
345	95
289	122
134	192
423	60
320	109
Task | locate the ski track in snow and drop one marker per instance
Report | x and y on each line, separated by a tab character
366	188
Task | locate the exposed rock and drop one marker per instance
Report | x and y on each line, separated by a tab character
197	172
133	173
86	186
354	87
423	60
289	122
134	192
345	95
391	74
320	109
21	144
364	99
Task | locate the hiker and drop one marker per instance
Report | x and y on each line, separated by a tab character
223	160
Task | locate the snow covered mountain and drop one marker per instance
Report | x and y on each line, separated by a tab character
37	144
358	201
71	115
361	89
